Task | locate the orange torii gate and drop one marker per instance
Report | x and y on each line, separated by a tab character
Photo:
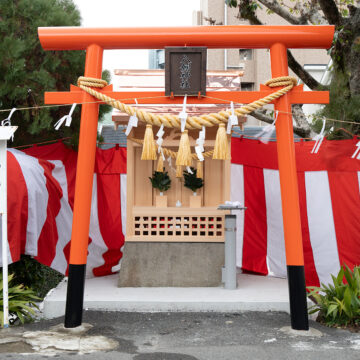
276	38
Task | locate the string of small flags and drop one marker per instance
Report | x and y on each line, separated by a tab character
265	135
153	97
7	121
133	121
221	149
159	142
66	118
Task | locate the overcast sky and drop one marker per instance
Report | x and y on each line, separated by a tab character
132	13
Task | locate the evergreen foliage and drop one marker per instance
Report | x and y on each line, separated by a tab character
342	106
34	275
191	181
22	302
161	181
338	303
27	71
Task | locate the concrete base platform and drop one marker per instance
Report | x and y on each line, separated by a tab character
254	293
171	264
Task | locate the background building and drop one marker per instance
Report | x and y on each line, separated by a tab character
254	62
156	59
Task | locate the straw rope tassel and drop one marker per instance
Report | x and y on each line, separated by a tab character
173	154
221	148
199	170
160	164
178	171
184	153
149	147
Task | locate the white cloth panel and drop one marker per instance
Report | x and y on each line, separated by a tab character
97	247
237	194
123	201
276	258
321	225
123	179
37	194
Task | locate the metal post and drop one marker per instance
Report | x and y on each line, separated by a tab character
6	132
3	211
229	272
230	252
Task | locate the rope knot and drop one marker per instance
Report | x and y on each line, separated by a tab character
282	81
91	82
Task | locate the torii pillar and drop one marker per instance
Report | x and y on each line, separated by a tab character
83	187
289	196
276	38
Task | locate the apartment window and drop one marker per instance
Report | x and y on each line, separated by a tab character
247	86
160	57
245	54
156	59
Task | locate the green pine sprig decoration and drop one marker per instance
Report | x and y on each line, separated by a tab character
161	181
191	181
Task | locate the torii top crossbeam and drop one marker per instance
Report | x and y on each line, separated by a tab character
76	38
276	38
238	36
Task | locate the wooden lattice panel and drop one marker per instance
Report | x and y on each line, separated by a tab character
193	227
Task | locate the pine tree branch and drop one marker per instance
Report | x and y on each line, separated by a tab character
262	116
313	15
303	126
304	130
280	10
305	76
246	11
331	11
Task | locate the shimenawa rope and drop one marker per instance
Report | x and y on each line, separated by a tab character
192	122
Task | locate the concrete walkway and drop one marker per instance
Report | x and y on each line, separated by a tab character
254	293
178	324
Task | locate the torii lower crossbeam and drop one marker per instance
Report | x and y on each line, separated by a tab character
296	96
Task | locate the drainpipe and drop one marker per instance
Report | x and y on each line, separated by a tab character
225	23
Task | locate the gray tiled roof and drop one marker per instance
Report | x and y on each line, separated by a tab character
251	132
112	137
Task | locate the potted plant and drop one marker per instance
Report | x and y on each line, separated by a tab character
193	183
161	181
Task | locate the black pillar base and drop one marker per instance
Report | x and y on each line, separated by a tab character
75	296
297	294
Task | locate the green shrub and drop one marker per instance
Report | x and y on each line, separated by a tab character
338	303
22	302
32	274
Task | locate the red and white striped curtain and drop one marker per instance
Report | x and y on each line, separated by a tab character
329	192
41	185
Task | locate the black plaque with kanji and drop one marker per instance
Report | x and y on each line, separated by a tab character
185	71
